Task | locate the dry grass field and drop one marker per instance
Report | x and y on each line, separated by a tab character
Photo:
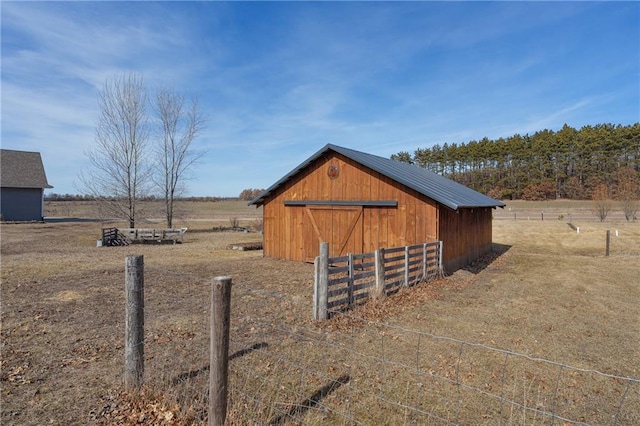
548	293
185	212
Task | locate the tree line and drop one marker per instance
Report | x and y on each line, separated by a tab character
250	193
594	161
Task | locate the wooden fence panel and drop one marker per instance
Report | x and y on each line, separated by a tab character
345	281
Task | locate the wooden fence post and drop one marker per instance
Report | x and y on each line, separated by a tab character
321	284
219	350
134	322
316	284
351	283
379	261
425	267
440	265
608	242
406	266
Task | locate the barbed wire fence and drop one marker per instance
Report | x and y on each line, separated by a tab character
352	370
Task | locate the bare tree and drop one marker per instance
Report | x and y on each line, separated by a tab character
120	174
601	201
180	124
627	190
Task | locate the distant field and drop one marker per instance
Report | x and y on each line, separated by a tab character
190	213
555	209
186	213
549	292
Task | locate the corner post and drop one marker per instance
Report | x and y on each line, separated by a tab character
322	283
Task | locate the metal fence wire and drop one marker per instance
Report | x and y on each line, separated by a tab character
374	373
355	371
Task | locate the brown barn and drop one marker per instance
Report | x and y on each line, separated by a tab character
359	202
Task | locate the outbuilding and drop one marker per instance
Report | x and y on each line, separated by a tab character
22	185
359	202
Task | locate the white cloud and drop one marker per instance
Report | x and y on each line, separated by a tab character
279	80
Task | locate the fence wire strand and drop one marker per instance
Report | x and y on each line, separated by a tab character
368	372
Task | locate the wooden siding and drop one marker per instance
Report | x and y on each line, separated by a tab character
466	235
294	232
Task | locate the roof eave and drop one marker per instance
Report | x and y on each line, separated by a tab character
499	204
258	201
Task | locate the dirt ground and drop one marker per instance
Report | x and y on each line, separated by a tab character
63	308
547	292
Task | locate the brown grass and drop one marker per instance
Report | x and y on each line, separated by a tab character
550	294
185	212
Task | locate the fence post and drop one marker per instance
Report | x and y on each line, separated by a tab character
440	265
134	322
351	283
316	284
379	261
406	266
321	283
608	242
219	350
424	261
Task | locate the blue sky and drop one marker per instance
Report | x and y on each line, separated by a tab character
279	80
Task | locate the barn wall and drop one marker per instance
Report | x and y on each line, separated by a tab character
21	204
287	232
466	235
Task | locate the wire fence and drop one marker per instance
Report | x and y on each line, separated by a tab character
351	370
374	373
554	213
63	322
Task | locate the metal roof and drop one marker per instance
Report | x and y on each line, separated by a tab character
22	169
430	184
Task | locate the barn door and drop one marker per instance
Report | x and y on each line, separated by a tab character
340	226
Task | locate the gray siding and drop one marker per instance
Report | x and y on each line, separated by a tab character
21	204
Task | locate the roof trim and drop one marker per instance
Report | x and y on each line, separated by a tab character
382	203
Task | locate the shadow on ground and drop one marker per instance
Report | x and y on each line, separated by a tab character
480	264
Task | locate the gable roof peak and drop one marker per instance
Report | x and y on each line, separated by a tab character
22	169
432	185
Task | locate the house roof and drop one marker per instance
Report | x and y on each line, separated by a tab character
430	184
22	169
